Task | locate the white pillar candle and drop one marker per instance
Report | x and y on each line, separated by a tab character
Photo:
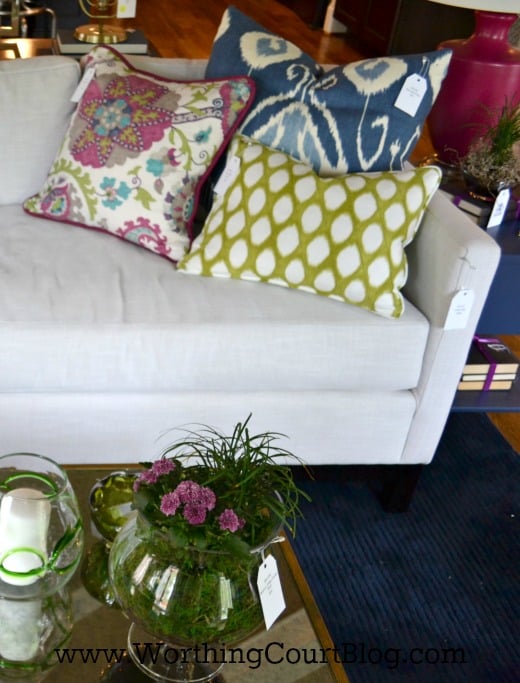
21	629
24	524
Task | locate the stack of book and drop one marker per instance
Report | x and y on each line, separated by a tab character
491	366
477	209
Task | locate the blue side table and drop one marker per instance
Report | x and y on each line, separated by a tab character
501	315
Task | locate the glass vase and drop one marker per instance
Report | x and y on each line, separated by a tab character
41	542
110	505
191	602
41	531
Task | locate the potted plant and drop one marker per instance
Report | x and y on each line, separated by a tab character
184	568
493	158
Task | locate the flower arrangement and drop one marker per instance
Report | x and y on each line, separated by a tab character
219	492
185	567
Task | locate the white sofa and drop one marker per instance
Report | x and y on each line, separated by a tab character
105	348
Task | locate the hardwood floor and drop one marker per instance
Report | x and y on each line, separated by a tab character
184	28
509	423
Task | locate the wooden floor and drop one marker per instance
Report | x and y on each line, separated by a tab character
509	423
186	28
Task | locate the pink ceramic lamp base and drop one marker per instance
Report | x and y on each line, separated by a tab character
484	70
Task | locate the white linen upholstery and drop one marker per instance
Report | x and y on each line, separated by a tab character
35	109
156	329
321	427
104	347
129	427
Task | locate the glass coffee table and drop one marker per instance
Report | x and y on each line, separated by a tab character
296	649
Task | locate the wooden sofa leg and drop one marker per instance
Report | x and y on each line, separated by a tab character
399	482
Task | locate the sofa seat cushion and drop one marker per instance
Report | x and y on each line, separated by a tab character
111	317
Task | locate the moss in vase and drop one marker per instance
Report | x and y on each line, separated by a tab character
184	595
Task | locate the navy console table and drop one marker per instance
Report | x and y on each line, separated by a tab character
501	315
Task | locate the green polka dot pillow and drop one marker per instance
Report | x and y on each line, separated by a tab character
276	221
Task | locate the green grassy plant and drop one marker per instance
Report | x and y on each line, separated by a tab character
493	158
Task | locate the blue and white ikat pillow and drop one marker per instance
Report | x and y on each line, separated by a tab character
339	121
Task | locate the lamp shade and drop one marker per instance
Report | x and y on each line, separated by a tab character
512	6
483	76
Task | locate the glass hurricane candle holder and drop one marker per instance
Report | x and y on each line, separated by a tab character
41	531
41	542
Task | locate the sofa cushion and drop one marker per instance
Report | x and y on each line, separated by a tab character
112	318
339	121
34	120
343	237
138	150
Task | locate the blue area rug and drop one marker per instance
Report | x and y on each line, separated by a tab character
438	584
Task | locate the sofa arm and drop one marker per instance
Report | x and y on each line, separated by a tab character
450	253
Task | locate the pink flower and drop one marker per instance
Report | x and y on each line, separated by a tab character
230	521
207	497
191	493
195	514
163	466
197	500
187	491
169	503
146	477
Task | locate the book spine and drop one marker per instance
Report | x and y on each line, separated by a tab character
482	377
495	385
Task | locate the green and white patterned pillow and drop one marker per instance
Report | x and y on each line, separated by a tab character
138	150
279	222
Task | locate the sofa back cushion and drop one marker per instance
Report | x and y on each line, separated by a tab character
35	110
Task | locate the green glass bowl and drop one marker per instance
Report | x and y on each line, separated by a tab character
111	503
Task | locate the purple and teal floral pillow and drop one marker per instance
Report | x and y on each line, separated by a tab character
138	150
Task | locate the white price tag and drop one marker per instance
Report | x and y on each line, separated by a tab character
499	208
270	590
460	308
83	84
412	94
126	9
227	176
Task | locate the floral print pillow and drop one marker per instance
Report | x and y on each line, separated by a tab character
137	152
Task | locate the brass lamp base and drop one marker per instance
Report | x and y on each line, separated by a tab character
100	34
